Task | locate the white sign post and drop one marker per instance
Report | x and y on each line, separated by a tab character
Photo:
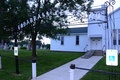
112	57
16	51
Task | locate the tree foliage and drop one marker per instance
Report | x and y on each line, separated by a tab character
52	20
12	13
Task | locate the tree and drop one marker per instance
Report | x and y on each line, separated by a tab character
12	12
51	17
23	42
3	14
39	43
48	46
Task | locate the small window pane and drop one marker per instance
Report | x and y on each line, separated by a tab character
114	36
119	36
61	42
114	30
119	39
77	37
118	30
77	42
114	42
119	42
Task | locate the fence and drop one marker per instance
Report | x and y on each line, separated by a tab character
72	67
33	64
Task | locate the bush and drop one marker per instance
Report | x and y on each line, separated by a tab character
48	46
23	48
10	47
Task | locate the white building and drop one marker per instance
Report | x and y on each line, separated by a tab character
114	23
97	36
75	42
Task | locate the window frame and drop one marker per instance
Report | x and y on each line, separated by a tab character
118	36
114	37
77	40
62	40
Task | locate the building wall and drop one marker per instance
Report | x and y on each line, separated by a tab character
115	26
96	27
70	43
96	30
93	29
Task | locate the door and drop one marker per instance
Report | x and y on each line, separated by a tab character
96	44
93	44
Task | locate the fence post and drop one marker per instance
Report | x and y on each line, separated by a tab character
34	69
0	62
72	67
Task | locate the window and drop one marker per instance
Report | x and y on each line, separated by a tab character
98	39
119	39
77	40
119	31
118	36
114	31
114	37
62	40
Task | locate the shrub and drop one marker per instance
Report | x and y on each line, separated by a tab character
48	46
10	47
23	48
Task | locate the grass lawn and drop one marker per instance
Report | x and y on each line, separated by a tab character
46	61
101	65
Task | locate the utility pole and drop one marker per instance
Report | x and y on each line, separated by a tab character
16	45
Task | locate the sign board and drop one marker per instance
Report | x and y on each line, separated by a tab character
112	57
16	51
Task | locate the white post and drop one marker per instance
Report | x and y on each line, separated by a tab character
34	69
0	62
72	67
71	74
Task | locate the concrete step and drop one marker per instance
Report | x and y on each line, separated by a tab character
98	53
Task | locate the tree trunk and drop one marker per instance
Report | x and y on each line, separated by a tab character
34	46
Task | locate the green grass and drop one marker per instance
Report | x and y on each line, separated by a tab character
101	65
46	61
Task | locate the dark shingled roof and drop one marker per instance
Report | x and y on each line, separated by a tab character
79	30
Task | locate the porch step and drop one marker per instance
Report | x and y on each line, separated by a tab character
98	53
88	54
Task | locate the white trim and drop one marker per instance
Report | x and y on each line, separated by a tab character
77	33
96	36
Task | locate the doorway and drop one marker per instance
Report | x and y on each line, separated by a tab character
96	43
